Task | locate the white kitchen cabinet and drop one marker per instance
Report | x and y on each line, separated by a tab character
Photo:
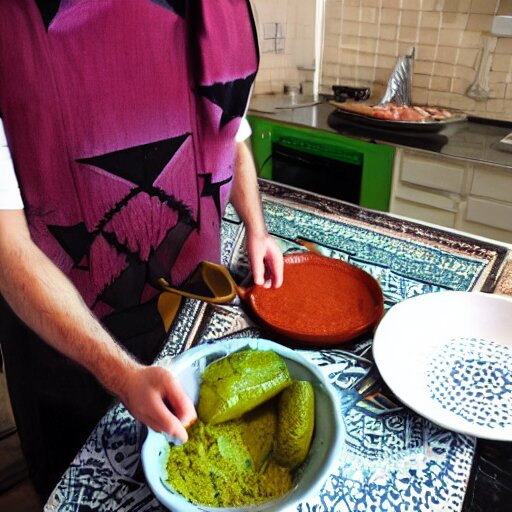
455	193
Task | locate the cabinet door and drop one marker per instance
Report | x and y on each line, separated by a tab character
492	183
486	218
432	172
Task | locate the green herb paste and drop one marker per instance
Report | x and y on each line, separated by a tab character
229	464
255	427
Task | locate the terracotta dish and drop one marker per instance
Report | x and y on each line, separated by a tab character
322	300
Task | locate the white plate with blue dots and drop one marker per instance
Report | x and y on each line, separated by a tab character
448	356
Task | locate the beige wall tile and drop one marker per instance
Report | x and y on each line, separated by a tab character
421	81
450	37
467	56
497	91
466	73
430	5
332	40
332	70
447	54
386	62
494	105
350	28
262	87
408	34
505	7
479	22
426	52
459	85
382	74
350	43
419	96
430	19
428	36
410	18
388	32
365	73
395	4
331	54
440	83
368	44
501	62
367	28
454	20
471	39
424	67
504	45
351	13
441	69
389	16
508	92
455	5
414	5
461	102
347	58
484	6
388	48
369	14
333	9
366	60
404	48
439	98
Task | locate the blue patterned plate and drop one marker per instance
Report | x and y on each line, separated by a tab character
448	356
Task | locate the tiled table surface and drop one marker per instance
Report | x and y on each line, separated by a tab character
392	459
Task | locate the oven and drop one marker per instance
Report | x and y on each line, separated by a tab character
352	170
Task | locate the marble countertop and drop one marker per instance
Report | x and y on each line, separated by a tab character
469	140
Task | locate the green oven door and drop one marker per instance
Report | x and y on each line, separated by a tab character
375	160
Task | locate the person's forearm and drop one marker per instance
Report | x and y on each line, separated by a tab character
245	196
42	296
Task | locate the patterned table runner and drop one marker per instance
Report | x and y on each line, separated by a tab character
392	459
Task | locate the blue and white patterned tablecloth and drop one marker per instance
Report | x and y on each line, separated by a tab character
392	459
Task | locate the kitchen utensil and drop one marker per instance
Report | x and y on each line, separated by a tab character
448	356
344	92
328	436
322	300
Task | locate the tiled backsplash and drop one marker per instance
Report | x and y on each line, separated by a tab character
363	38
286	31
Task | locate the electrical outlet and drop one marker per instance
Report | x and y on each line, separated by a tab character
502	26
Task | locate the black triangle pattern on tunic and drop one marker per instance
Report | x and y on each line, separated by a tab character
212	190
75	240
231	96
177	6
48	10
139	164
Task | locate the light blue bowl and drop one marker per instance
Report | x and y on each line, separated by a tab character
325	447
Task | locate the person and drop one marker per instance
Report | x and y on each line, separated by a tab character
121	119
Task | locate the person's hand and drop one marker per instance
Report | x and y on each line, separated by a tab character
154	396
266	260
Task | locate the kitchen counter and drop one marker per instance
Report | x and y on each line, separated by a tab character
469	140
392	459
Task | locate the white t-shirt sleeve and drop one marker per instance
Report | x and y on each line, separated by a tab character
10	195
244	131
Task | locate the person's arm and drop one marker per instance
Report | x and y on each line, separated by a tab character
43	297
265	255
